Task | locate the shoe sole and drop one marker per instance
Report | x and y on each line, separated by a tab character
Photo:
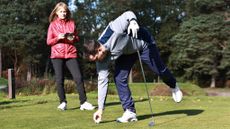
61	109
130	120
133	120
86	109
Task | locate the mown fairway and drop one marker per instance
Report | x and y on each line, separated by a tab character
39	112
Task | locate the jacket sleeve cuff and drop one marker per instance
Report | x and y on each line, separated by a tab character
133	19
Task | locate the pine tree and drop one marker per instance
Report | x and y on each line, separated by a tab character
201	44
23	31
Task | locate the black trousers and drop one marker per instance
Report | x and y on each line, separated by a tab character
73	67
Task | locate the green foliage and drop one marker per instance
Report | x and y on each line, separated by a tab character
48	86
201	44
3	81
3	87
23	34
209	6
197	7
93	16
35	87
200	49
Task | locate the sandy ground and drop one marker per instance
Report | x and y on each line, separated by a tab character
217	91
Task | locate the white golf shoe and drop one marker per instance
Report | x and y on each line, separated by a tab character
86	106
177	95
127	116
62	106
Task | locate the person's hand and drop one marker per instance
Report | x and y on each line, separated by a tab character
92	57
61	36
69	36
101	52
97	116
133	28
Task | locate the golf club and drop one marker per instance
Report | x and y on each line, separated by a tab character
146	88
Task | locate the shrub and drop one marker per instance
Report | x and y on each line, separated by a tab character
35	87
3	81
70	86
47	86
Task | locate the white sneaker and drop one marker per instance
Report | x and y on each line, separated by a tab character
177	95
86	106
62	106
127	116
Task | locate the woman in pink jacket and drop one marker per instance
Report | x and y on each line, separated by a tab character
62	35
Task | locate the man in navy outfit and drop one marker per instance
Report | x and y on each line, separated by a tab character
119	42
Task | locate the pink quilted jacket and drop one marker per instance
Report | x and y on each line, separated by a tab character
63	48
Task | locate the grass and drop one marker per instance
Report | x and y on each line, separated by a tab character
139	88
39	112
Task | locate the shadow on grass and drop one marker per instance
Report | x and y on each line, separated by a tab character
189	112
13	103
74	108
104	121
117	103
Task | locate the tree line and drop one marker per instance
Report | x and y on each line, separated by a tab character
193	36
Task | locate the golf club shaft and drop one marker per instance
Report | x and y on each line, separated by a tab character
143	74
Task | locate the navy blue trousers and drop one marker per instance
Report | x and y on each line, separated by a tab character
150	56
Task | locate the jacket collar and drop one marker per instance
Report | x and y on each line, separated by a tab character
61	20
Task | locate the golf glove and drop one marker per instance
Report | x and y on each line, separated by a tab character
133	28
97	116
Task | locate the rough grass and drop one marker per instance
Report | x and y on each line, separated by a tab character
39	112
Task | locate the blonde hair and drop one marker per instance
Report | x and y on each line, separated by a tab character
53	14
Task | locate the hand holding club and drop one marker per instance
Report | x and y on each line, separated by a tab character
133	28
